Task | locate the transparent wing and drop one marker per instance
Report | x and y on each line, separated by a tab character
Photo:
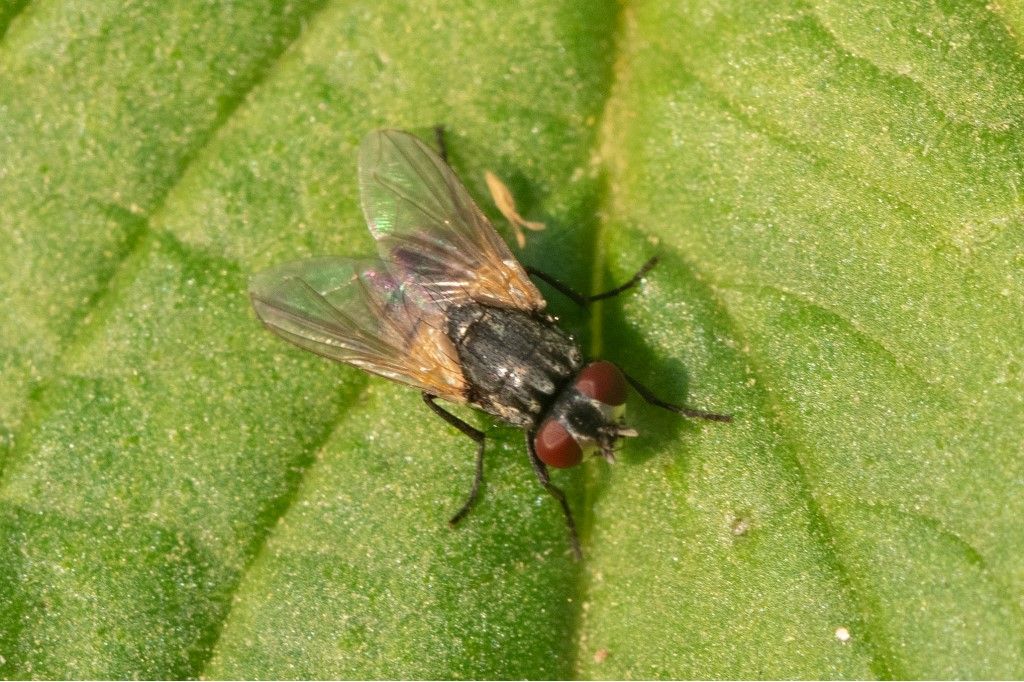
355	312
428	227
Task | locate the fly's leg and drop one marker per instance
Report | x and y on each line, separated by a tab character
541	470
582	300
442	148
647	395
478	437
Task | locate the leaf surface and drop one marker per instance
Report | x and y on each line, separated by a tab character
834	194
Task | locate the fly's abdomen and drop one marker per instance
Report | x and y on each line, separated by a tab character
514	362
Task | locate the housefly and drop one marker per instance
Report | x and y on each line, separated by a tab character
446	308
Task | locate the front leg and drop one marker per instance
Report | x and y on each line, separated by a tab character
541	470
649	396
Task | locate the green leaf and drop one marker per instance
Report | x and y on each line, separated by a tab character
833	189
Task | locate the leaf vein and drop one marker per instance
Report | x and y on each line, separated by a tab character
79	336
891	74
794	146
881	654
275	511
14	10
849	324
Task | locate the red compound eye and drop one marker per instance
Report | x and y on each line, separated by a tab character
602	381
556	447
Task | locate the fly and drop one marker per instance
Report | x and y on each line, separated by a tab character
446	308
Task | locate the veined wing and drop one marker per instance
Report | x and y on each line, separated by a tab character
355	312
428	227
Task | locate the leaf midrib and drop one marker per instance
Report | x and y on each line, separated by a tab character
881	661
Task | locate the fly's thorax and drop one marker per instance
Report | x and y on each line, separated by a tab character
515	362
585	418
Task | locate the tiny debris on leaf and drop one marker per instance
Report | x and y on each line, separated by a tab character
507	205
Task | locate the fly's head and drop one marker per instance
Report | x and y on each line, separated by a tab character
586	418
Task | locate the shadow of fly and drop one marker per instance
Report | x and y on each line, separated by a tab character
446	308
